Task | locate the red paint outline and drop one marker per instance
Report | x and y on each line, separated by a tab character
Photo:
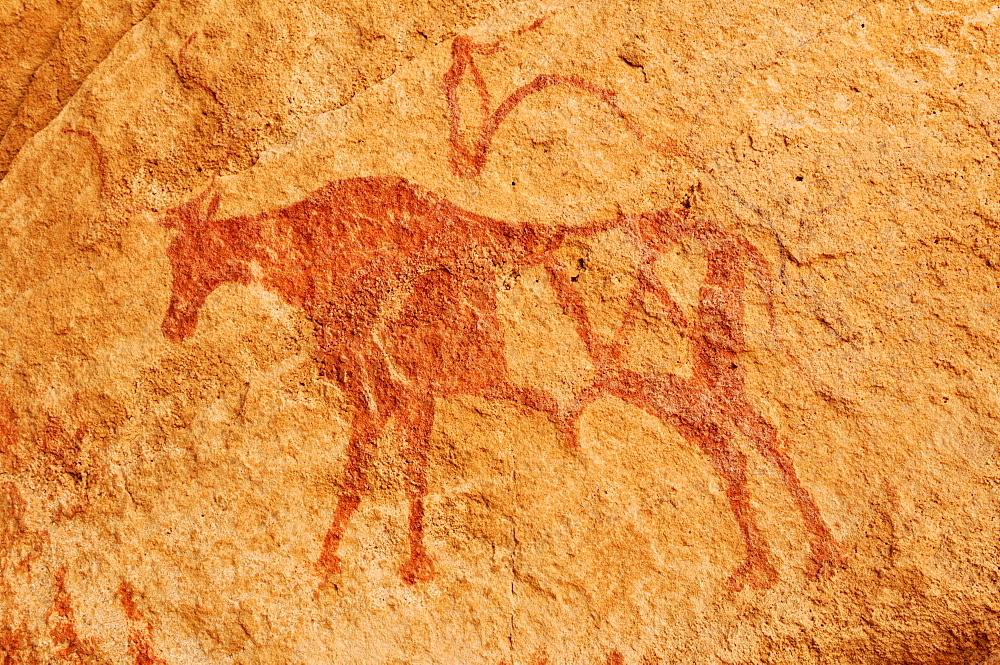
709	408
468	162
63	630
341	253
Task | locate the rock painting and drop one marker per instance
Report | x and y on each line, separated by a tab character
364	255
467	158
347	252
342	255
498	390
706	408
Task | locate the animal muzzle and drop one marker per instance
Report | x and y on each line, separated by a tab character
180	320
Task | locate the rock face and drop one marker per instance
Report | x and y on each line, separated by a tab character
502	333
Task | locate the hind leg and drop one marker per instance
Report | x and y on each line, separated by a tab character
683	404
730	464
823	548
679	402
365	429
418	424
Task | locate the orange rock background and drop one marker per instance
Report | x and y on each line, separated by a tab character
167	501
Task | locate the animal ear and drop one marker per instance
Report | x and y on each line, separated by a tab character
213	206
205	192
187	213
213	201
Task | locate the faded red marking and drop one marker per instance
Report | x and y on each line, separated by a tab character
346	250
62	447
539	658
708	407
140	634
59	450
51	449
12	510
538	22
102	170
71	648
41	539
16	646
15	507
126	596
16	536
468	161
64	512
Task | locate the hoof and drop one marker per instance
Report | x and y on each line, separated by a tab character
571	440
328	564
418	569
328	568
758	573
823	561
568	430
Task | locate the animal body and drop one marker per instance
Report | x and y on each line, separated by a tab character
340	255
355	249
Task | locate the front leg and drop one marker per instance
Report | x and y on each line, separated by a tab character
365	430
417	426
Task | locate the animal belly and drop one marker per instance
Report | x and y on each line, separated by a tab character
446	338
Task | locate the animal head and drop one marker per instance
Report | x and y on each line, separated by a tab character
201	259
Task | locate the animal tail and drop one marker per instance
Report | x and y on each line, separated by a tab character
468	162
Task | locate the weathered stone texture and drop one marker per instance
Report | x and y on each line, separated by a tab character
490	332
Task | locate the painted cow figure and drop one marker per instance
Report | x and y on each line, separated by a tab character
342	255
400	285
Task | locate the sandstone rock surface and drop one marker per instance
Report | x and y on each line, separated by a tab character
499	332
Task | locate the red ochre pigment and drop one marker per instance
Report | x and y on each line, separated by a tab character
345	250
140	632
70	648
468	160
